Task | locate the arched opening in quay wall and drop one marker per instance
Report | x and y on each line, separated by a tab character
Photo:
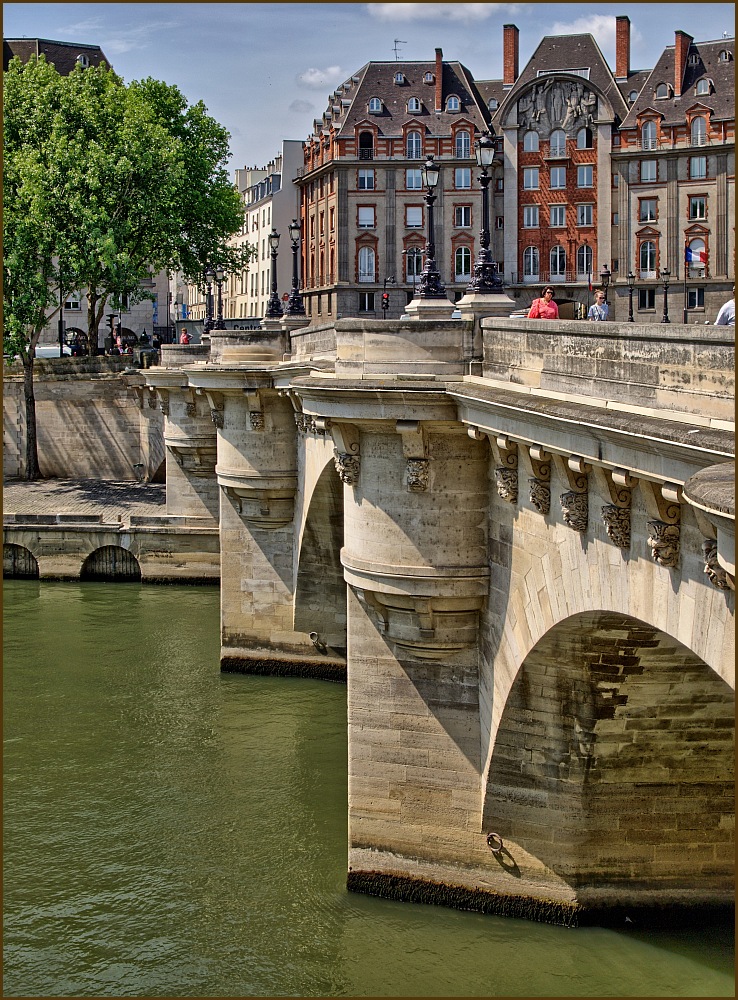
111	562
613	766
19	563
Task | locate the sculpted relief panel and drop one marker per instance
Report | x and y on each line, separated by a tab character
552	103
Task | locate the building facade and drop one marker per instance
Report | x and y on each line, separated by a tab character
363	205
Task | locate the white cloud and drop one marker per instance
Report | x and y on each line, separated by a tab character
465	13
600	26
301	107
321	78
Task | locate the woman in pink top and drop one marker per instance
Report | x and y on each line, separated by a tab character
545	307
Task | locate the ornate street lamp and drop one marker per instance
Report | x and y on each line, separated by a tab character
631	286
274	306
605	279
219	276
295	305
209	279
665	275
486	277
431	286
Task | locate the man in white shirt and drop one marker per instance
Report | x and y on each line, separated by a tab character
726	316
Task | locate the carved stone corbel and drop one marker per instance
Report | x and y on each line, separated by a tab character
163	401
575	502
138	392
664	539
256	412
152	398
322	425
190	404
415	451
616	516
506	474
217	406
540	483
346	454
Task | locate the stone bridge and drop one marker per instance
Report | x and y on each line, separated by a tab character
515	539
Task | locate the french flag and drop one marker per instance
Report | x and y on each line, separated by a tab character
692	256
589	281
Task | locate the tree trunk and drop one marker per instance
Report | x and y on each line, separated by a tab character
32	469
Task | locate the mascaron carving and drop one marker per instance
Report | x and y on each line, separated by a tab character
507	484
575	509
257	420
664	543
540	495
217	417
417	474
617	524
717	575
347	467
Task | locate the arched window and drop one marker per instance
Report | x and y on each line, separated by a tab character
648	259
584	138
703	87
463	144
531	267
413	104
429	78
453	103
366	146
414	146
648	135
367	260
558	262
399	77
724	56
584	260
632	95
375	104
558	142
493	104
462	264
530	142
699	131
662	91
697	255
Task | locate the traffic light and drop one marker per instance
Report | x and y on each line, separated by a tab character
385	301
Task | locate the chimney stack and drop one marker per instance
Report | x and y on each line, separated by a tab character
682	41
510	53
439	79
622	47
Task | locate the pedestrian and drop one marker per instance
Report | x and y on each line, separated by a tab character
184	337
726	316
599	312
545	307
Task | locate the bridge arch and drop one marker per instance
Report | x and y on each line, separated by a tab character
612	764
19	562
320	590
111	562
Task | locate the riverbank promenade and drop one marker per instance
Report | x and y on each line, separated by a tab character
114	501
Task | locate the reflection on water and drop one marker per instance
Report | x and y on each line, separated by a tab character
171	831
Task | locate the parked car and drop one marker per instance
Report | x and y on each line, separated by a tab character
52	350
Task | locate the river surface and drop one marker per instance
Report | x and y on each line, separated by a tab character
171	831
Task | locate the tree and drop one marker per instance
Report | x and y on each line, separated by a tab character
107	183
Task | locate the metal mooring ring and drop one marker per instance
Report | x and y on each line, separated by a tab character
494	842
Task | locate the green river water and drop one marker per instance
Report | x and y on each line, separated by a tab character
171	831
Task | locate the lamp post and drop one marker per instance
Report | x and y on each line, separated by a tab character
665	275
431	286
605	279
219	276
486	277
631	286
209	278
61	315
274	306
295	305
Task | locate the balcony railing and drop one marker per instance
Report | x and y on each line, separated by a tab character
366	154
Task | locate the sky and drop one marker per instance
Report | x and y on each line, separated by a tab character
266	70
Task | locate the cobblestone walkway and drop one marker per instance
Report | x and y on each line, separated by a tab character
84	496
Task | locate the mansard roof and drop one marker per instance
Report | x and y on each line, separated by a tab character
62	54
348	105
721	99
566	53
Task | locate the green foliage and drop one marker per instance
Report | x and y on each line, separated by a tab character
108	182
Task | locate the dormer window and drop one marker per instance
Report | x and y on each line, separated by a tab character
493	104
83	61
703	87
632	95
413	104
375	104
662	91
429	78
693	59
724	56
453	103
399	77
